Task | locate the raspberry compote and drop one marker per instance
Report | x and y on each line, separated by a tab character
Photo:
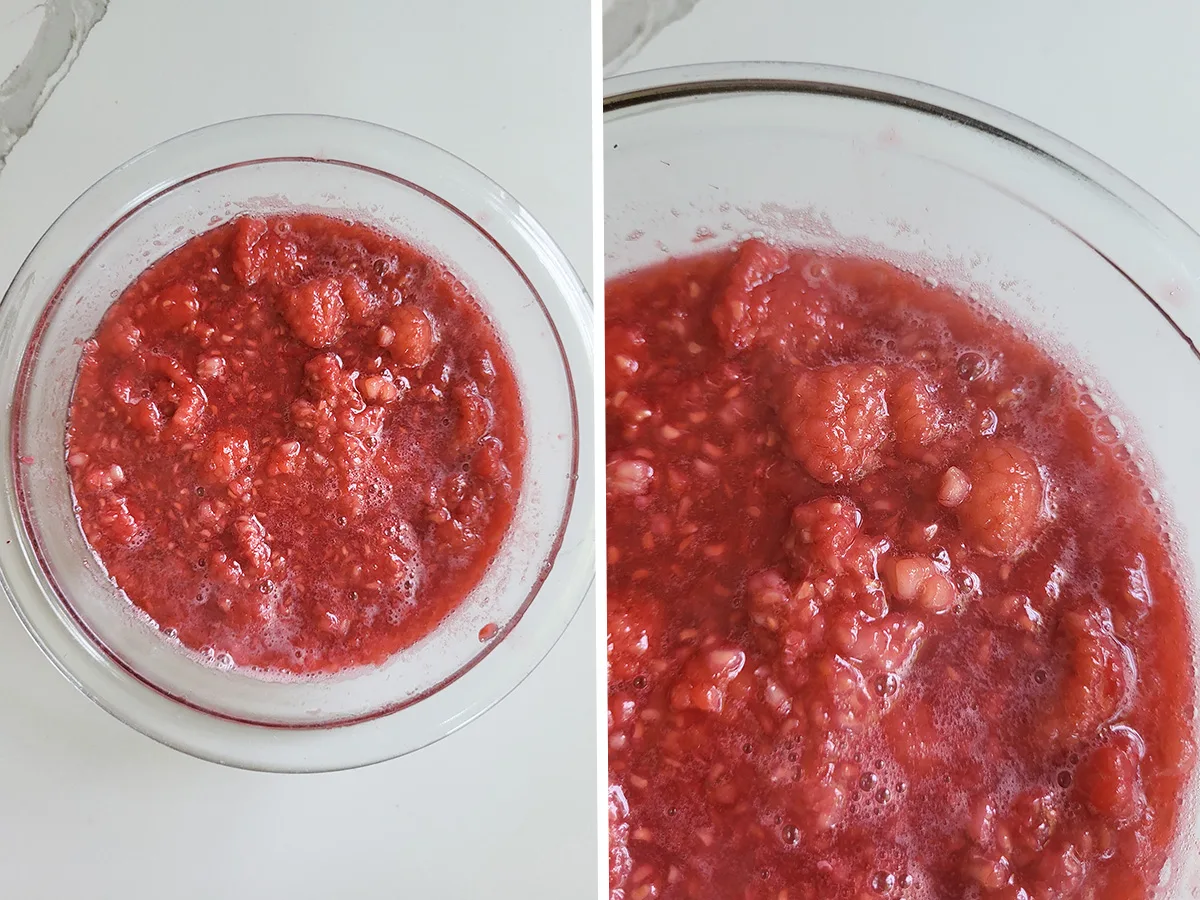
890	612
295	443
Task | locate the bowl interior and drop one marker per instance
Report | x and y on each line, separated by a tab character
156	227
855	163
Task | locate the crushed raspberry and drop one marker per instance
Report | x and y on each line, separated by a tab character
705	679
1109	783
260	254
314	311
119	336
177	305
1000	514
836	420
822	531
1098	675
413	340
917	416
743	305
228	455
631	635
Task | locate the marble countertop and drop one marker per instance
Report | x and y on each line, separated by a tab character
505	807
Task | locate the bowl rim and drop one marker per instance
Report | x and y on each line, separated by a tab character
237	741
629	92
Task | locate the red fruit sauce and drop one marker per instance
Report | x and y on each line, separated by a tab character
890	615
296	443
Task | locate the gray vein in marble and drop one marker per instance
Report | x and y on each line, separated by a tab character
630	24
65	26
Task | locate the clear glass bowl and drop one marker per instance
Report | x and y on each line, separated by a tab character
954	189
145	209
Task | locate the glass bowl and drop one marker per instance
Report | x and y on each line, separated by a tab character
545	565
956	190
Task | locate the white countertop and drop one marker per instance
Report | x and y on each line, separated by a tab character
505	808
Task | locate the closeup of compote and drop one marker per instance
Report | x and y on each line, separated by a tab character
891	611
